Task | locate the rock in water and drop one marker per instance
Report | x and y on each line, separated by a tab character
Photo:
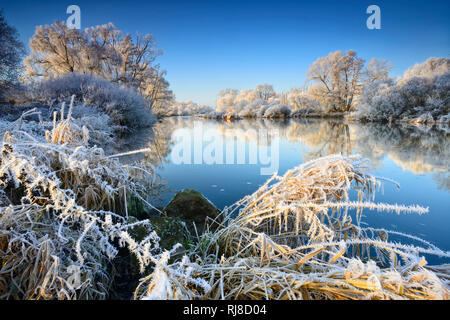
192	207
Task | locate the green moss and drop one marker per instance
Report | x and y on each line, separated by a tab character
172	231
137	208
192	207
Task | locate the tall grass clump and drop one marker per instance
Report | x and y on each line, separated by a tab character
63	213
299	237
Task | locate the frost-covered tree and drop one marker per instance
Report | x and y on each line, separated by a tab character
227	97
233	98
422	95
265	91
376	70
102	51
11	51
430	68
57	50
338	80
156	90
300	99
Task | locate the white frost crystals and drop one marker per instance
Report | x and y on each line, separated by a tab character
62	208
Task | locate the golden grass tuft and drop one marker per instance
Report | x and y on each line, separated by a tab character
294	238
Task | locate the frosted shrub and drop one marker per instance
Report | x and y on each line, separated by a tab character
255	109
379	101
411	99
126	107
301	102
276	110
439	101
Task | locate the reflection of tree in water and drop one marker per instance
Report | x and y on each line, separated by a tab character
161	143
417	149
442	180
248	130
158	139
323	137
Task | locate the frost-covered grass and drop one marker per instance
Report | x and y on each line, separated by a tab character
100	128
294	238
63	213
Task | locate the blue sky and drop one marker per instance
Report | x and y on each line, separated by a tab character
211	45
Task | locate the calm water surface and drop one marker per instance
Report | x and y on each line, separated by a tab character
416	158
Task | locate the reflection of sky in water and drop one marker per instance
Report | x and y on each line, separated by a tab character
227	183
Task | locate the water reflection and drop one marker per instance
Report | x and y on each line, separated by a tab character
419	150
321	137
